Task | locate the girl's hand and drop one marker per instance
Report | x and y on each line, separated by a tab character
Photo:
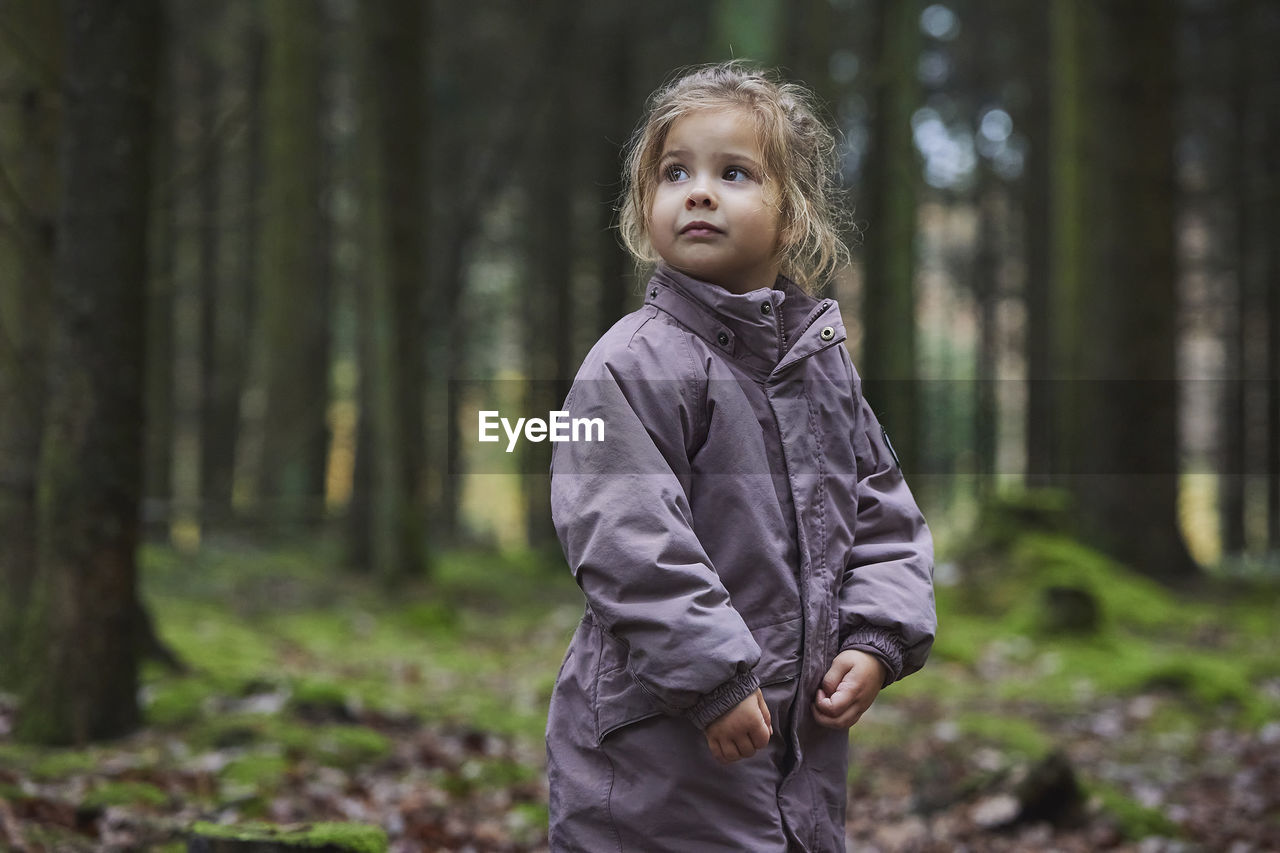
740	731
850	686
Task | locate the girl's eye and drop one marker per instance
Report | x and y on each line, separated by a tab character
675	173
736	173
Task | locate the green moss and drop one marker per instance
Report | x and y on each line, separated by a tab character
176	701
355	837
59	764
350	746
1134	820
1014	734
311	694
261	771
126	793
430	617
18	755
211	640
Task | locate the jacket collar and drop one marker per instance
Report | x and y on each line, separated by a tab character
739	326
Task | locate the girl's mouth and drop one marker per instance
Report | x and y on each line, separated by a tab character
700	229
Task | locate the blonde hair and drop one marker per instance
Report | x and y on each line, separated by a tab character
798	148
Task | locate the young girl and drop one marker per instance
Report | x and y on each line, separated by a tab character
754	566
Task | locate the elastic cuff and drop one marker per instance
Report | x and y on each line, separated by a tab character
884	644
722	699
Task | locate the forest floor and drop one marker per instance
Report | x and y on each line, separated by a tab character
313	697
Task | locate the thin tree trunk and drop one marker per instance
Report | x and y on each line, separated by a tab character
1265	37
214	430
1235	438
247	230
888	362
30	70
79	652
615	112
158	464
294	318
1039	344
987	197
393	378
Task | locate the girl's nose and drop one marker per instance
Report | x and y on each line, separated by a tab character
699	197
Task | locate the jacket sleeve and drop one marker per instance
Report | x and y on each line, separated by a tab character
622	514
886	598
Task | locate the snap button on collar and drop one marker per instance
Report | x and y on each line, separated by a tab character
653	293
827	333
723	339
766	308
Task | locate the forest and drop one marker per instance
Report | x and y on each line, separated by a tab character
265	263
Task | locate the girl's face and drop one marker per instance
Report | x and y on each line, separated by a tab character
713	216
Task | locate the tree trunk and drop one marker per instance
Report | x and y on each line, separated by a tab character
1265	35
223	331
615	112
888	361
28	142
80	678
1117	285
246	233
1235	435
988	197
1040	420
548	303
158	460
394	374
294	317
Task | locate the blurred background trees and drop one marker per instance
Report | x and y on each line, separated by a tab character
364	220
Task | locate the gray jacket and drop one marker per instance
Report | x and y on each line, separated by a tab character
743	521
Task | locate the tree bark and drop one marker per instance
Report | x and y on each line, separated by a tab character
548	303
224	335
1235	338
294	317
395	372
888	360
1040	419
80	678
1116	285
29	68
158	460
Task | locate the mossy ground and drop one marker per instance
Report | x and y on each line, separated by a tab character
299	672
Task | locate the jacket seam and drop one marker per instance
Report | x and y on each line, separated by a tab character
631	339
595	682
772	624
608	800
699	409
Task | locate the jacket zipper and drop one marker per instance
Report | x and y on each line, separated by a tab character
814	317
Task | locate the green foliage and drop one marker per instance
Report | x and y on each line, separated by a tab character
355	837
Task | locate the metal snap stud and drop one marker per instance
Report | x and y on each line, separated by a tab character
828	333
653	292
766	308
723	339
